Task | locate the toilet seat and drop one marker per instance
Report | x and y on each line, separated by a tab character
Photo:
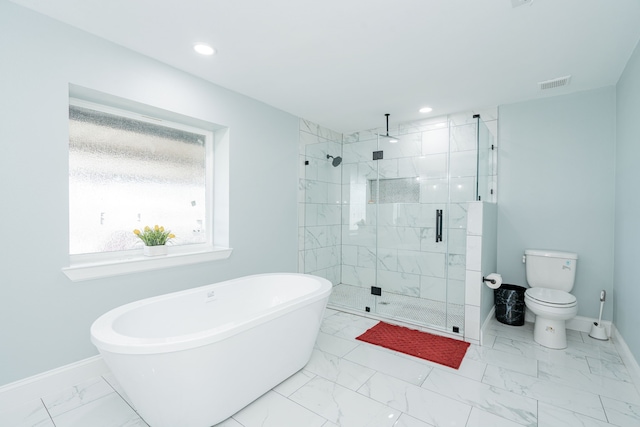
551	297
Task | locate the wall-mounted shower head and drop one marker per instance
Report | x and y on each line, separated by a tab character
336	160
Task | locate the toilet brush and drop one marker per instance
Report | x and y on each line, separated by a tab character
597	329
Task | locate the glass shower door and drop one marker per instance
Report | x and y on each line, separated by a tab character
410	194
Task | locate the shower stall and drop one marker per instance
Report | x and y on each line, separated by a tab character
383	216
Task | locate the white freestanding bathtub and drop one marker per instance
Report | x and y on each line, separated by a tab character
193	358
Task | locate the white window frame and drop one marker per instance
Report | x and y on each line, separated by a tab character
106	264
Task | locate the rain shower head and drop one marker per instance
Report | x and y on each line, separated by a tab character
336	160
392	139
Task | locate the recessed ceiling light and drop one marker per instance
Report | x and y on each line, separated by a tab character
426	110
204	49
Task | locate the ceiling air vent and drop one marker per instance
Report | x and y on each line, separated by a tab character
552	84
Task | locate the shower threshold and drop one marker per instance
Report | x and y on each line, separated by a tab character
424	313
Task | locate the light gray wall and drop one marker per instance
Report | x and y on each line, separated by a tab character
44	317
626	292
556	188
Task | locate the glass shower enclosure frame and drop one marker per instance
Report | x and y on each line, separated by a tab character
399	252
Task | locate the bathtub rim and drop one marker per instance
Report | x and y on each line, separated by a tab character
105	338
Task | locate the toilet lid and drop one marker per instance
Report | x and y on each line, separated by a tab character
551	296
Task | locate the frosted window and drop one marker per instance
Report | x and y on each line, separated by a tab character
126	173
396	190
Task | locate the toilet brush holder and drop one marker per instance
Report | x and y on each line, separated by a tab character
598	332
597	329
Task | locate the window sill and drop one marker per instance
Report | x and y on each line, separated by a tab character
138	263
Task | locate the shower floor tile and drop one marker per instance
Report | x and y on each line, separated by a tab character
509	383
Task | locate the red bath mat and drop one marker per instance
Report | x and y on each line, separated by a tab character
442	350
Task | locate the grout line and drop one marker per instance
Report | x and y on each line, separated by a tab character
604	410
125	400
119	395
48	413
484	372
469	416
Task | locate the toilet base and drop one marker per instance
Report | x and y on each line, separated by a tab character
550	333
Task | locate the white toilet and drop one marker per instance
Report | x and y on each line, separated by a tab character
551	275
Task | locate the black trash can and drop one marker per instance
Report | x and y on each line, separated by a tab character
509	300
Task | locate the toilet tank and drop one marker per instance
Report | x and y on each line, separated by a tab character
550	269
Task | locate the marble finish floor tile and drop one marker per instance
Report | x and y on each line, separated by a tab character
494	323
495	400
533	350
408	421
553	416
274	410
491	356
229	423
511	381
606	351
481	418
329	312
428	406
621	413
346	325
28	414
111	380
587	381
294	382
521	333
334	345
538	389
77	396
489	338
109	410
342	406
575	335
341	371
616	371
469	368
389	363
587	339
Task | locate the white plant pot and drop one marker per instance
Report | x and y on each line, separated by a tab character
156	250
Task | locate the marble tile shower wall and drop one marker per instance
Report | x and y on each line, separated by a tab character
319	202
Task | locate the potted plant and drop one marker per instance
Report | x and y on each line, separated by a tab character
154	239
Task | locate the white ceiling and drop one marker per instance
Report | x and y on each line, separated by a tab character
344	63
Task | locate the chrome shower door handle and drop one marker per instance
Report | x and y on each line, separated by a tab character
438	225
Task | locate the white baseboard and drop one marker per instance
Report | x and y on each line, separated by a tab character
51	381
486	322
627	357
